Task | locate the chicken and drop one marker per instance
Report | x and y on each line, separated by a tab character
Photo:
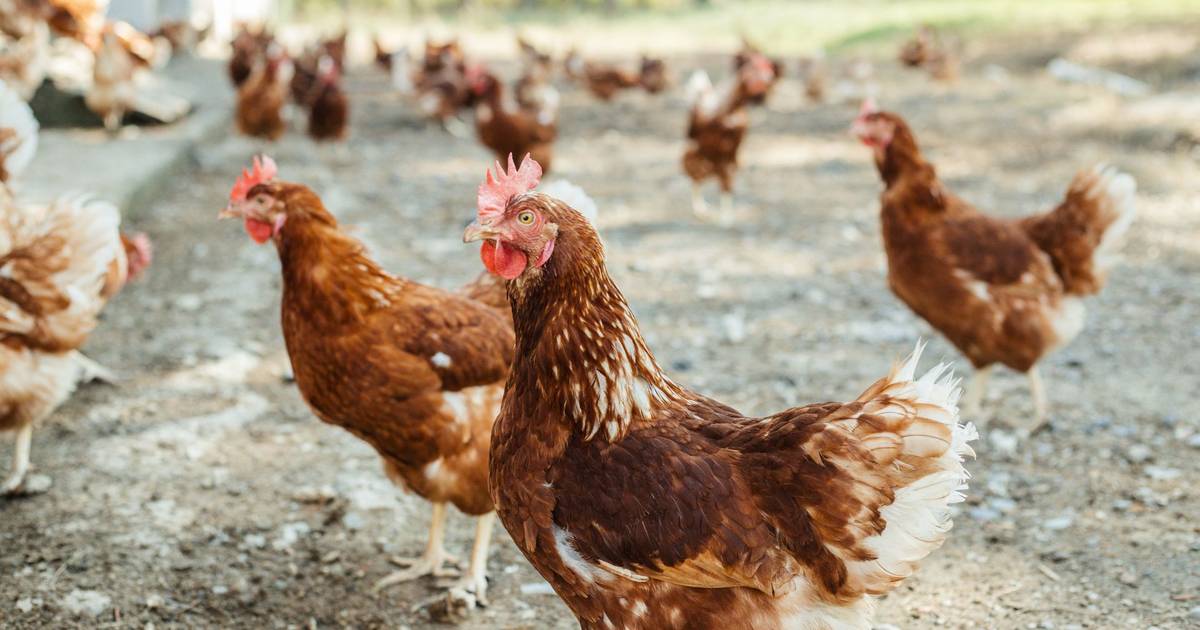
112	90
915	52
59	265
507	130
303	83
533	90
751	55
815	75
928	50
648	506
18	135
24	47
261	99
329	110
1002	291
414	371
605	81
653	75
398	66
247	48
716	126
441	84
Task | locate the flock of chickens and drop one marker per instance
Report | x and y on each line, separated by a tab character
531	394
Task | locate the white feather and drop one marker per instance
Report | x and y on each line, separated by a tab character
15	114
573	196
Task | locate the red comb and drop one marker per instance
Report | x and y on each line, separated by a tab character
264	170
499	187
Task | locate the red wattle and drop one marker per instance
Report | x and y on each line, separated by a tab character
503	260
260	231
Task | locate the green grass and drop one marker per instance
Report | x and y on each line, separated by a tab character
785	27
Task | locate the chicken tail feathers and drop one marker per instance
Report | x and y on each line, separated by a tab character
1083	234
912	427
57	259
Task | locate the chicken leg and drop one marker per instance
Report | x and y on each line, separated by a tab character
1038	392
727	210
431	562
20	467
473	586
973	401
698	205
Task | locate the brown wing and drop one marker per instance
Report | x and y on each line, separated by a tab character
991	250
727	501
466	343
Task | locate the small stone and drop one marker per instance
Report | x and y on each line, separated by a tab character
1194	441
1003	505
354	521
154	600
254	541
289	534
86	603
537	588
220	589
1194	613
25	604
1138	453
188	302
1162	473
983	513
1128	578
1122	505
1059	523
37	484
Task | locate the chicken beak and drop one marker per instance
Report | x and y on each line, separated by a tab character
479	232
229	212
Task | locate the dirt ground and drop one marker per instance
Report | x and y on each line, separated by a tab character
202	493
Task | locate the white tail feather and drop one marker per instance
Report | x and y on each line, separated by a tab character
1121	190
919	516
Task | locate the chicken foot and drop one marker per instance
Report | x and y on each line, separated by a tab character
472	587
20	466
432	562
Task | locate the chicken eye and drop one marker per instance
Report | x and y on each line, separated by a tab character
525	218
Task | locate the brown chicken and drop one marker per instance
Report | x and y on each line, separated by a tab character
61	264
604	81
507	130
262	97
329	110
1002	291
248	47
441	84
717	124
751	56
414	371
649	506
927	49
915	52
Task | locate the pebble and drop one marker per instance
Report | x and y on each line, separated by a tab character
983	513
1194	441
25	604
86	603
37	484
1128	578
537	588
354	521
154	600
1194	613
289	533
1059	522
1138	453
1162	473
254	541
188	302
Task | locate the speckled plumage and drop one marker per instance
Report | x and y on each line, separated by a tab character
1002	291
648	506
